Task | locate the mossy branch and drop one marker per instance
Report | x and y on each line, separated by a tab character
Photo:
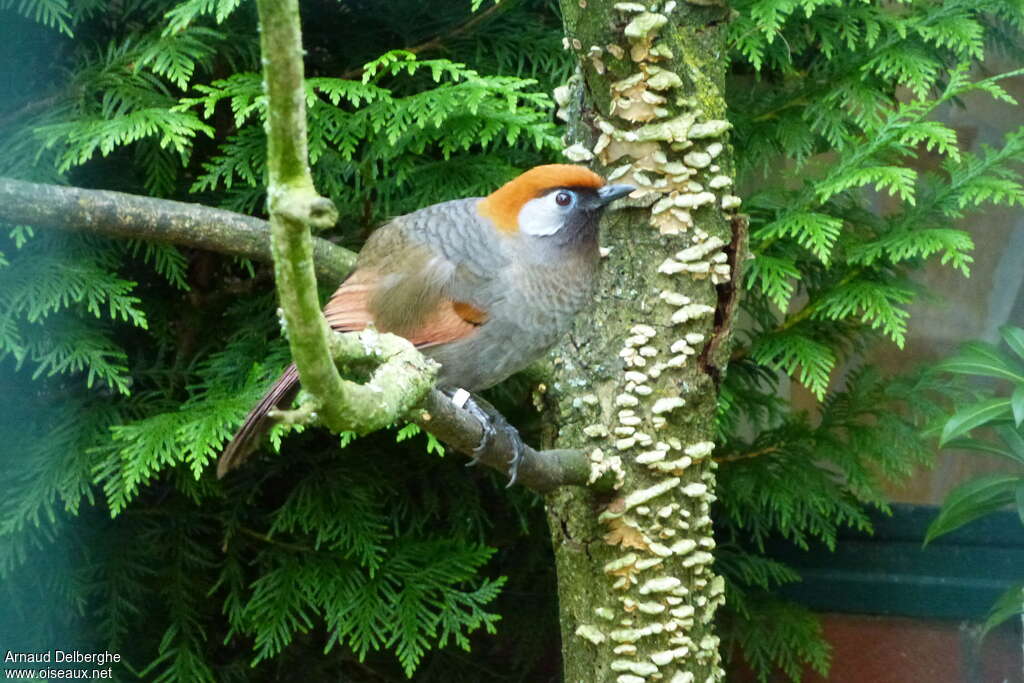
403	380
400	380
295	207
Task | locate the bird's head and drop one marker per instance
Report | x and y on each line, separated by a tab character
560	201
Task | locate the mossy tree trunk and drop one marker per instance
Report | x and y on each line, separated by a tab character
636	383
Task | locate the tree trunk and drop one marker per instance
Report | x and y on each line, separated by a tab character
636	383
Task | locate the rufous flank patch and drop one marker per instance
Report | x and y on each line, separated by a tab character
470	313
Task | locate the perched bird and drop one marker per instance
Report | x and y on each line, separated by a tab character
484	286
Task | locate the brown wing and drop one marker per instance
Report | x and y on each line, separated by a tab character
349	311
437	320
401	286
349	307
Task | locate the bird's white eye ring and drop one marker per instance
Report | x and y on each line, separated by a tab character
563	198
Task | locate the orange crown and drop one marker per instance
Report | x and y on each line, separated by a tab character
502	206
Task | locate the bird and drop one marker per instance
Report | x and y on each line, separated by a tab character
484	286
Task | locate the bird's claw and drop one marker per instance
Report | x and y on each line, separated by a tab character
490	423
518	451
487	432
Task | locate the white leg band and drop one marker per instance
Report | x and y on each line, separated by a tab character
460	397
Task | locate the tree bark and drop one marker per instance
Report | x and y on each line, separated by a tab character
636	384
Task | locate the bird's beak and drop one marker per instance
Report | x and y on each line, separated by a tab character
609	193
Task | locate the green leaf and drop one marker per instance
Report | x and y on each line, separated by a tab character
775	277
978	358
407	432
434	446
969	417
1007	605
973	499
896	180
1013	440
50	13
181	16
1017	403
792	351
21	234
968	444
1014	338
875	304
1019	499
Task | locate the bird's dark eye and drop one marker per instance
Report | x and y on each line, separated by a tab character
563	199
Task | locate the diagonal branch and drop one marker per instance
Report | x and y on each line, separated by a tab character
541	471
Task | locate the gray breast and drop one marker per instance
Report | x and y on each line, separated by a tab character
536	308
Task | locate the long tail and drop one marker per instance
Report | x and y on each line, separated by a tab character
247	437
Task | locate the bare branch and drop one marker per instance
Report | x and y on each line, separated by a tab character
541	471
118	214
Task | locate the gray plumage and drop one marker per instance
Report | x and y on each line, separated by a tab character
484	302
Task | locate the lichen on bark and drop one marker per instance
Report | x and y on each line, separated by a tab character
403	378
637	589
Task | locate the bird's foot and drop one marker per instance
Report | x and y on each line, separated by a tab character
518	453
464	401
490	422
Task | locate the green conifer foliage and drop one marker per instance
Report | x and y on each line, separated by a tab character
136	361
133	362
832	105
